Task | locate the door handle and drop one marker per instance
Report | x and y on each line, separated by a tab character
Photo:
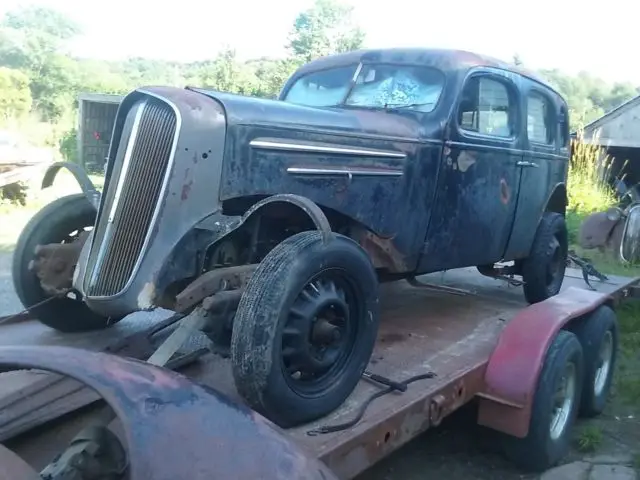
527	164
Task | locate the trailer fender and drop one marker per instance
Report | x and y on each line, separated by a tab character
175	428
511	376
79	174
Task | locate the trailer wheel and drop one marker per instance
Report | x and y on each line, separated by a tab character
305	328
555	407
54	223
543	270
598	334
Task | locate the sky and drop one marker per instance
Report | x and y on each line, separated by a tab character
565	34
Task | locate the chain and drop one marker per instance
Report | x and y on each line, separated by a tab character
26	311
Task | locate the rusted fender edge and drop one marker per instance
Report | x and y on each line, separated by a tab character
87	186
173	427
512	373
313	211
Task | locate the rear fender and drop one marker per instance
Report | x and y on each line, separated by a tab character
512	373
79	174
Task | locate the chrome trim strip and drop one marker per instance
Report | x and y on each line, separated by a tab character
370	172
126	161
161	195
305	147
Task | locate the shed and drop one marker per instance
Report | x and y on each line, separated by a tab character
618	131
96	117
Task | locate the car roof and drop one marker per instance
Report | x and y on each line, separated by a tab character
444	59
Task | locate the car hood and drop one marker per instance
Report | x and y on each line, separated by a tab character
242	110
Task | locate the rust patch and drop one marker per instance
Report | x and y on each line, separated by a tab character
54	264
466	160
211	282
505	192
383	252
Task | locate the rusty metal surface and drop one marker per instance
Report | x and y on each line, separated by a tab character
173	427
513	369
420	331
211	282
13	467
54	264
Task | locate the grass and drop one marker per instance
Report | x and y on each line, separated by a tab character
589	439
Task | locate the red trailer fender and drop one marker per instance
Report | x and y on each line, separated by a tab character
512	373
173	427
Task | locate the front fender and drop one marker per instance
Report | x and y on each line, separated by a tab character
79	174
175	428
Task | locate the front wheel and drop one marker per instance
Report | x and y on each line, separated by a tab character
59	222
543	270
305	328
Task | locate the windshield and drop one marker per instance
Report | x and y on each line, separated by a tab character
377	86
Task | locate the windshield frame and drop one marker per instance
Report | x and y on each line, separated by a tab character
342	104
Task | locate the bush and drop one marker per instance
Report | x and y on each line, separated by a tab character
588	189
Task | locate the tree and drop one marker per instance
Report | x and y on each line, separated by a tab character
32	40
15	97
324	29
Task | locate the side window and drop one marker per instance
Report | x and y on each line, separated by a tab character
487	108
540	119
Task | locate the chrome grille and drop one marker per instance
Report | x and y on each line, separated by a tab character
134	194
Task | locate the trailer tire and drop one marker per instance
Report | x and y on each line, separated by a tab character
598	334
305	328
543	270
52	224
549	436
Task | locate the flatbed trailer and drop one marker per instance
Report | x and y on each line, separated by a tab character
474	339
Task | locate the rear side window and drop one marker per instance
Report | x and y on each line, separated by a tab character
540	119
487	108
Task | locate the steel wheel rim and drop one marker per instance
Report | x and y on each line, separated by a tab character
563	401
605	356
320	332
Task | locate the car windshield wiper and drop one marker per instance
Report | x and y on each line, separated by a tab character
404	106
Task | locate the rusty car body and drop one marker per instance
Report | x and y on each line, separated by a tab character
281	216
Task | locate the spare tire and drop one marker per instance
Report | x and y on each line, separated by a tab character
57	222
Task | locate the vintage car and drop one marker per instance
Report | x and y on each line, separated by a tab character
372	166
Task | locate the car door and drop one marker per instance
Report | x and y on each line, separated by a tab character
478	188
542	164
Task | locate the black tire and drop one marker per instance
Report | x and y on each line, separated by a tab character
598	333
275	298
541	450
53	224
543	270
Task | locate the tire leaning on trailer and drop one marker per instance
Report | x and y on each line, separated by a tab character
53	224
555	407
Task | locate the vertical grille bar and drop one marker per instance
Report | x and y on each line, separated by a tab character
128	212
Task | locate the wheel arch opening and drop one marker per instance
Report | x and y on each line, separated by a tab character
558	200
